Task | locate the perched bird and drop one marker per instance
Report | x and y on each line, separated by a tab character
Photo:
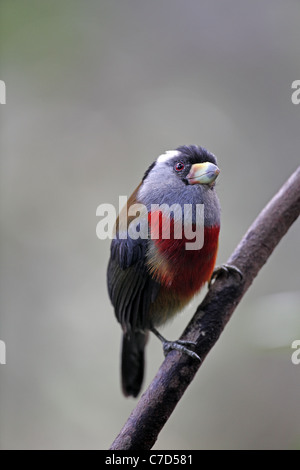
151	278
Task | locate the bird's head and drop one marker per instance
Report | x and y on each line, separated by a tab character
183	176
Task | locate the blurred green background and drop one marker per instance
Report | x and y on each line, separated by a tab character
96	90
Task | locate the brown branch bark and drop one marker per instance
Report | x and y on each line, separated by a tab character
178	370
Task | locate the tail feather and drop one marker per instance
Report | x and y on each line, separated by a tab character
132	368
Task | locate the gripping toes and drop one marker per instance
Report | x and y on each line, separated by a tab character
225	269
182	346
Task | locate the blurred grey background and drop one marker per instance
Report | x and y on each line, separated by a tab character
96	90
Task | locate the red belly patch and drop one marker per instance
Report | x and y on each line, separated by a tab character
175	267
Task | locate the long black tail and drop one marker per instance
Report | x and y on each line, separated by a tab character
132	368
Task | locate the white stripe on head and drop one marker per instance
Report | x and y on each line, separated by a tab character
168	155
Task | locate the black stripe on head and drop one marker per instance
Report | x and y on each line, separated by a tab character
148	171
196	154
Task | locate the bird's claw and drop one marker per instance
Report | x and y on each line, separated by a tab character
179	345
224	269
182	346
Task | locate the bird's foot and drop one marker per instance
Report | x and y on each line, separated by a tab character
179	345
182	346
224	269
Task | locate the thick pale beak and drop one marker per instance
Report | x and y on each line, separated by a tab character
203	173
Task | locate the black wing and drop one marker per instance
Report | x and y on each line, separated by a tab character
131	288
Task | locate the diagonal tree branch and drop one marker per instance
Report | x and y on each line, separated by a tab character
178	370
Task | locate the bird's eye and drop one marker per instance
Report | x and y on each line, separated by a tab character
179	166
